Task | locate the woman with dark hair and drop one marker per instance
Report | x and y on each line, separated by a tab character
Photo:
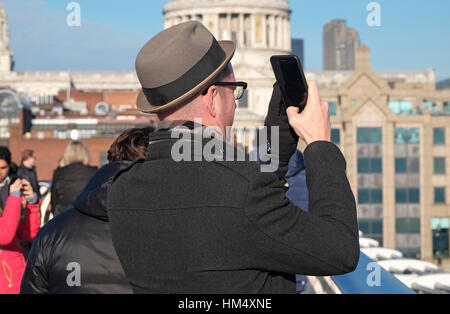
13	195
74	252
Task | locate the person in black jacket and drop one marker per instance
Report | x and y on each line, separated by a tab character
69	180
197	224
74	252
27	169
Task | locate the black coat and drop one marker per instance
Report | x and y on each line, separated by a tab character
226	227
67	183
31	175
79	235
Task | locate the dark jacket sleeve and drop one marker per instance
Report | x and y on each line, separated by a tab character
34	280
321	242
54	192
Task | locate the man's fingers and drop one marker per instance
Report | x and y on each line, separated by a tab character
313	92
292	112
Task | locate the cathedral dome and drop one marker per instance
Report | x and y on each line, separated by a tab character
252	24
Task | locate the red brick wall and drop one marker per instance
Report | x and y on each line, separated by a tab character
49	151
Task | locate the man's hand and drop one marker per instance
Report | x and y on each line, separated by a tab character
288	139
313	124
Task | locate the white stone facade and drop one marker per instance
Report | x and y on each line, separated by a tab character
260	28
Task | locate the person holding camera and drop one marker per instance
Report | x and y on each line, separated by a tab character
215	226
14	194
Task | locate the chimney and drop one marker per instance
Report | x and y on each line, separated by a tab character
363	58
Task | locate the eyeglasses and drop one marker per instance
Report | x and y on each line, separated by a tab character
239	90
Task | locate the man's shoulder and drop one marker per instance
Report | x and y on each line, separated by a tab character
165	183
148	170
61	224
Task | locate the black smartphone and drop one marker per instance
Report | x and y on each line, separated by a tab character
291	78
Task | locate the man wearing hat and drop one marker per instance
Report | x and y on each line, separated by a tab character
225	226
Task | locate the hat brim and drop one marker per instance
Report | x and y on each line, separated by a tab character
144	105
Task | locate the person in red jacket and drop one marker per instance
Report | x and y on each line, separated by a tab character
13	229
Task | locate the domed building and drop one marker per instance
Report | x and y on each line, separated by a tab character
260	28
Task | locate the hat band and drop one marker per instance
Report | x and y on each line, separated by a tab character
165	94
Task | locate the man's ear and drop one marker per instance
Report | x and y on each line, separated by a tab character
209	100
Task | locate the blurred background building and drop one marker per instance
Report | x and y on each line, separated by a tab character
339	46
393	127
298	49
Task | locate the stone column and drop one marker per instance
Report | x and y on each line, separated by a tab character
252	31
264	31
229	27
241	30
284	33
272	43
288	34
217	26
279	32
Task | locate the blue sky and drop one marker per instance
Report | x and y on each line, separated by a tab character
414	34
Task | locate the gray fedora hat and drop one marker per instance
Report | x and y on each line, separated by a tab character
179	63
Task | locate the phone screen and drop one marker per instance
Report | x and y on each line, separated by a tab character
292	81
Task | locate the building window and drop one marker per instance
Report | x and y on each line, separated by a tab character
427	105
376	196
400	165
371	226
414	196
407	225
336	136
370	196
439	195
407	136
439	136
446	107
363	165
409	252
370	165
333	108
401	107
439	165
369	135
440	230
407	196
376	165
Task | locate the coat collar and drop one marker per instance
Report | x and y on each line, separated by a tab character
168	133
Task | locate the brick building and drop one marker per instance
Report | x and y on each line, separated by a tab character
51	135
120	101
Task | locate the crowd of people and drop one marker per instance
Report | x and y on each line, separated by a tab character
145	223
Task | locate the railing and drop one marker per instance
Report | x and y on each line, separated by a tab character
370	278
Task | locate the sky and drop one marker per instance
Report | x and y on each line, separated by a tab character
414	34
